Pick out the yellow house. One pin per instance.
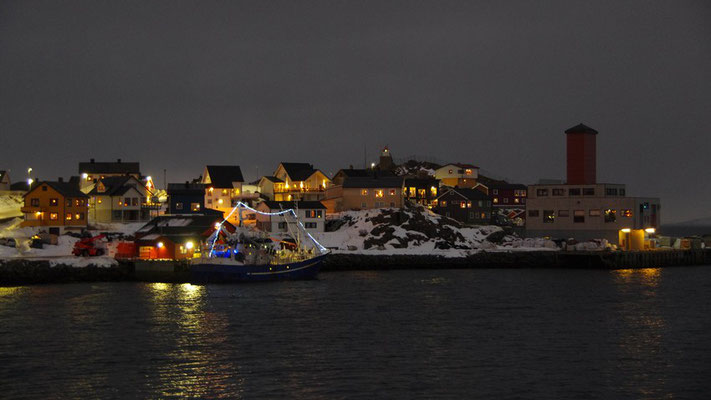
(223, 187)
(458, 175)
(299, 182)
(359, 193)
(56, 205)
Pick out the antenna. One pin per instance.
(365, 158)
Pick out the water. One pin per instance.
(396, 334)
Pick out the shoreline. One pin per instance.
(15, 272)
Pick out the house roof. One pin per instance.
(298, 171)
(115, 186)
(117, 167)
(421, 182)
(469, 194)
(66, 189)
(21, 185)
(460, 165)
(222, 176)
(182, 224)
(305, 205)
(380, 182)
(499, 184)
(363, 173)
(581, 128)
(271, 179)
(186, 188)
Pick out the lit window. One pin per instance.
(443, 203)
(548, 216)
(53, 202)
(98, 200)
(69, 217)
(496, 200)
(178, 206)
(195, 207)
(516, 200)
(450, 171)
(379, 193)
(34, 202)
(421, 193)
(595, 213)
(364, 192)
(433, 191)
(468, 171)
(53, 216)
(463, 204)
(392, 192)
(412, 192)
(610, 215)
(627, 213)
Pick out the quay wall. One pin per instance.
(21, 272)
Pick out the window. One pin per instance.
(463, 204)
(627, 212)
(282, 225)
(589, 192)
(496, 200)
(69, 202)
(99, 200)
(484, 216)
(392, 204)
(622, 192)
(421, 193)
(610, 215)
(209, 201)
(495, 191)
(506, 200)
(558, 192)
(564, 213)
(516, 200)
(69, 217)
(224, 192)
(310, 225)
(611, 191)
(379, 193)
(53, 202)
(542, 192)
(127, 201)
(319, 213)
(468, 171)
(79, 216)
(363, 205)
(481, 203)
(472, 215)
(412, 191)
(433, 191)
(532, 213)
(579, 216)
(379, 204)
(79, 202)
(469, 204)
(44, 188)
(574, 192)
(392, 192)
(53, 216)
(595, 213)
(34, 202)
(178, 206)
(450, 171)
(134, 201)
(194, 207)
(364, 192)
(443, 203)
(548, 216)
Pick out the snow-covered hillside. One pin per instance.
(415, 230)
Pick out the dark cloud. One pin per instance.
(179, 84)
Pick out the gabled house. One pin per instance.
(311, 213)
(186, 198)
(421, 190)
(469, 206)
(360, 193)
(176, 237)
(91, 171)
(4, 181)
(457, 175)
(223, 187)
(120, 199)
(508, 201)
(57, 206)
(299, 181)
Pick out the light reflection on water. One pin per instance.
(396, 334)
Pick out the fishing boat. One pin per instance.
(251, 256)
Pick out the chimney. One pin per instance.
(581, 155)
(60, 179)
(118, 160)
(92, 160)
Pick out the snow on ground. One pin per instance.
(10, 204)
(417, 231)
(128, 228)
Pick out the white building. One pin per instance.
(311, 213)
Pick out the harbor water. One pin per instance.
(484, 333)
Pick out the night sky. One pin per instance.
(178, 85)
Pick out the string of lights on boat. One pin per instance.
(291, 211)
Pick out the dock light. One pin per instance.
(189, 245)
(626, 230)
(29, 181)
(650, 230)
(159, 245)
(372, 165)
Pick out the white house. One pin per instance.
(458, 175)
(311, 213)
(120, 199)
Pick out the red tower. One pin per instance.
(581, 155)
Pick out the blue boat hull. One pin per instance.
(220, 273)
